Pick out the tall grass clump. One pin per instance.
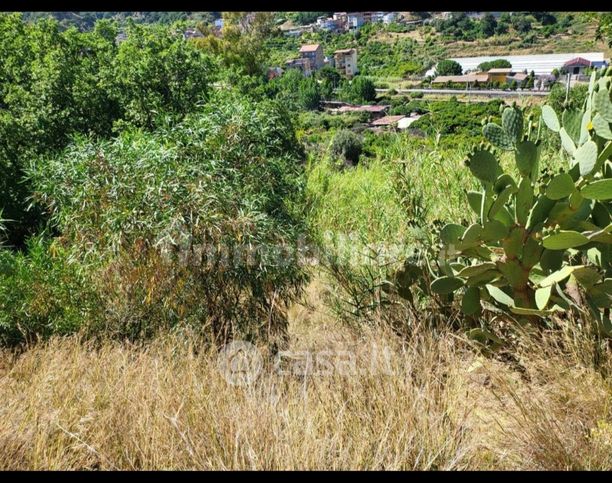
(358, 220)
(372, 217)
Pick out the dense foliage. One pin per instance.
(87, 20)
(193, 224)
(448, 67)
(152, 181)
(494, 64)
(347, 145)
(452, 119)
(55, 84)
(359, 90)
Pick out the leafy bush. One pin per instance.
(297, 91)
(42, 293)
(542, 243)
(348, 145)
(352, 213)
(359, 90)
(577, 96)
(495, 64)
(448, 67)
(188, 202)
(56, 83)
(408, 108)
(156, 72)
(452, 119)
(310, 96)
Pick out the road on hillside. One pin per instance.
(489, 93)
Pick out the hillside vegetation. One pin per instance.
(203, 268)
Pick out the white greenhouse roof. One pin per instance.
(540, 64)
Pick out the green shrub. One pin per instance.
(42, 293)
(353, 214)
(448, 67)
(577, 96)
(225, 179)
(494, 64)
(359, 90)
(408, 108)
(348, 145)
(456, 119)
(309, 93)
(56, 83)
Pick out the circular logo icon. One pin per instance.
(240, 363)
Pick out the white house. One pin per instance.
(354, 20)
(345, 61)
(389, 17)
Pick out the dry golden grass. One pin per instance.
(433, 404)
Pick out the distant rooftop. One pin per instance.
(344, 51)
(578, 61)
(309, 48)
(500, 71)
(387, 120)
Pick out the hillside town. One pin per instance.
(532, 72)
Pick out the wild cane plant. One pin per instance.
(542, 242)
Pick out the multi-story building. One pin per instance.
(341, 18)
(354, 20)
(345, 61)
(314, 53)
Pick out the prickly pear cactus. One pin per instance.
(542, 243)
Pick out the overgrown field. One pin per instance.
(427, 403)
(203, 268)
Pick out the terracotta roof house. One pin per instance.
(314, 53)
(518, 77)
(499, 74)
(502, 70)
(577, 65)
(309, 48)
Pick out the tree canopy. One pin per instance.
(449, 67)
